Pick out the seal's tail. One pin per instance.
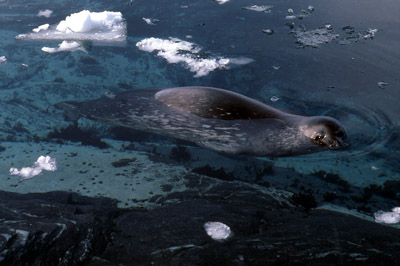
(71, 110)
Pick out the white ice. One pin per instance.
(65, 46)
(176, 51)
(45, 13)
(258, 8)
(392, 217)
(221, 1)
(217, 230)
(43, 163)
(106, 26)
(41, 27)
(3, 59)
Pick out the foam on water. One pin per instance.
(64, 47)
(175, 51)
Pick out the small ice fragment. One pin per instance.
(382, 84)
(290, 12)
(274, 99)
(387, 217)
(290, 17)
(41, 27)
(109, 95)
(43, 163)
(268, 31)
(217, 231)
(189, 36)
(223, 61)
(276, 67)
(396, 210)
(328, 27)
(25, 65)
(3, 59)
(150, 21)
(257, 8)
(184, 6)
(310, 9)
(65, 46)
(374, 168)
(45, 13)
(221, 1)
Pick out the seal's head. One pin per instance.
(324, 131)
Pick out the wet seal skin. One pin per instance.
(216, 119)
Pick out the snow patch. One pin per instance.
(218, 231)
(106, 26)
(43, 163)
(176, 51)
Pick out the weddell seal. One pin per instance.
(216, 119)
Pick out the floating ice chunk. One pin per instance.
(370, 33)
(176, 51)
(217, 231)
(65, 46)
(221, 1)
(150, 21)
(268, 31)
(290, 12)
(106, 26)
(257, 8)
(45, 13)
(43, 163)
(382, 84)
(274, 99)
(392, 217)
(3, 59)
(41, 27)
(314, 38)
(310, 9)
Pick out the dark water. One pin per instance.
(340, 59)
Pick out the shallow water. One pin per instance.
(341, 68)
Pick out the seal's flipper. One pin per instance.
(215, 103)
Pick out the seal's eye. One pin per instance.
(319, 136)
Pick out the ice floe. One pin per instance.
(3, 59)
(43, 163)
(106, 26)
(45, 13)
(392, 217)
(217, 230)
(263, 8)
(64, 47)
(175, 51)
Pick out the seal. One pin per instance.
(217, 119)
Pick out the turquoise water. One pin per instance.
(337, 58)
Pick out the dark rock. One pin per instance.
(307, 201)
